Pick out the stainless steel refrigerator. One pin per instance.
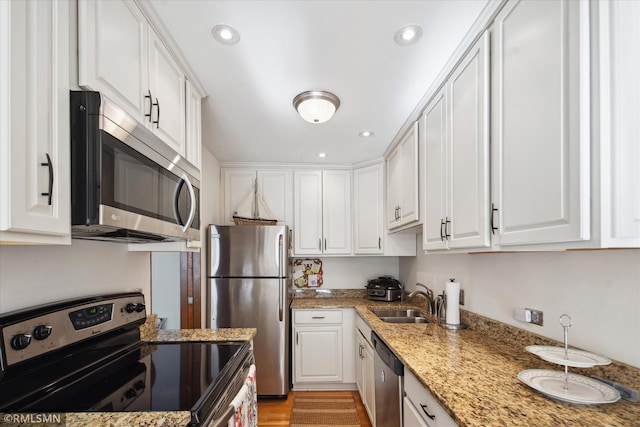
(248, 282)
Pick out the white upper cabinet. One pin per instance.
(619, 124)
(113, 57)
(369, 233)
(403, 203)
(275, 187)
(368, 209)
(167, 83)
(123, 57)
(434, 123)
(454, 127)
(540, 123)
(34, 122)
(193, 124)
(322, 212)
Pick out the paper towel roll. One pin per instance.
(452, 313)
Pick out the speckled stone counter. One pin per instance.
(150, 333)
(474, 375)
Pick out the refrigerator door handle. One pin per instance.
(280, 279)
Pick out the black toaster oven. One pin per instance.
(384, 288)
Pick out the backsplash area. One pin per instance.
(599, 289)
(354, 272)
(32, 275)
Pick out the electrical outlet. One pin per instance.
(536, 316)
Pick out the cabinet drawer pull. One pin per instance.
(317, 317)
(49, 164)
(424, 409)
(493, 212)
(157, 121)
(150, 104)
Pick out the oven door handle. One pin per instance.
(280, 279)
(223, 420)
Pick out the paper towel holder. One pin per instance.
(441, 306)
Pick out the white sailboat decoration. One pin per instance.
(253, 210)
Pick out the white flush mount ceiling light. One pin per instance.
(316, 106)
(365, 134)
(225, 34)
(408, 34)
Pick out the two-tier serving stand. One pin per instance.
(566, 386)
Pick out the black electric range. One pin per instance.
(86, 355)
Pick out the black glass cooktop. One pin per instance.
(149, 377)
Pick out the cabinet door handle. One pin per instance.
(493, 213)
(441, 232)
(148, 96)
(447, 228)
(49, 164)
(157, 121)
(296, 338)
(320, 244)
(424, 409)
(325, 244)
(379, 242)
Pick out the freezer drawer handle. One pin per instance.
(424, 409)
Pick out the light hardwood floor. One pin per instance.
(277, 412)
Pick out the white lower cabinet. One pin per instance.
(420, 408)
(323, 349)
(364, 368)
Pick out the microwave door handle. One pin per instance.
(192, 197)
(176, 202)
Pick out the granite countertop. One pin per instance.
(474, 375)
(149, 333)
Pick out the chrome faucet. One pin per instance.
(428, 295)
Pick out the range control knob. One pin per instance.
(140, 307)
(20, 341)
(130, 394)
(42, 332)
(131, 307)
(139, 385)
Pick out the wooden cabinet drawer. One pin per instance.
(301, 317)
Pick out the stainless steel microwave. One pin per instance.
(126, 184)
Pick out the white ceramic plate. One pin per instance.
(583, 390)
(577, 358)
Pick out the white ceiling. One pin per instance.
(287, 47)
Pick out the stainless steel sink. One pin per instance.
(397, 313)
(401, 316)
(405, 319)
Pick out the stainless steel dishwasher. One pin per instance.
(388, 384)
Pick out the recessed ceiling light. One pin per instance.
(225, 34)
(408, 34)
(366, 134)
(322, 155)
